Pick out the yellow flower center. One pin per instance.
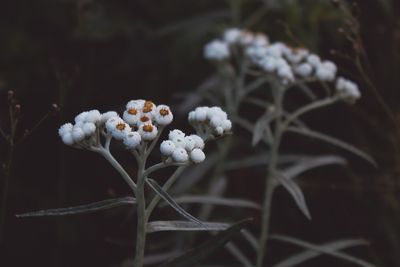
(148, 128)
(164, 112)
(148, 106)
(120, 126)
(132, 111)
(144, 119)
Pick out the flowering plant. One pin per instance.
(248, 62)
(139, 130)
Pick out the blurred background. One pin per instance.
(85, 54)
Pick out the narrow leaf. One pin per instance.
(301, 257)
(312, 163)
(159, 226)
(92, 207)
(195, 255)
(230, 202)
(293, 188)
(333, 141)
(238, 254)
(321, 249)
(167, 198)
(262, 128)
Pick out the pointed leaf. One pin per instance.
(321, 249)
(230, 202)
(311, 163)
(293, 188)
(333, 141)
(301, 257)
(167, 198)
(195, 255)
(92, 207)
(158, 226)
(262, 128)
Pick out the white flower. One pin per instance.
(268, 64)
(199, 142)
(81, 117)
(107, 115)
(175, 133)
(167, 147)
(197, 155)
(192, 116)
(148, 131)
(256, 53)
(67, 138)
(163, 115)
(314, 60)
(136, 104)
(226, 125)
(190, 143)
(304, 70)
(179, 141)
(216, 112)
(112, 122)
(117, 127)
(232, 35)
(201, 113)
(180, 155)
(93, 116)
(65, 128)
(149, 109)
(347, 89)
(326, 71)
(215, 121)
(275, 50)
(78, 134)
(285, 72)
(131, 116)
(88, 128)
(219, 130)
(216, 50)
(132, 140)
(297, 55)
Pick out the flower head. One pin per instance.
(216, 50)
(347, 90)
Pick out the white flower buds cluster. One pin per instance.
(347, 89)
(286, 63)
(181, 148)
(210, 121)
(83, 130)
(140, 122)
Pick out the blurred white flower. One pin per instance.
(347, 89)
(216, 50)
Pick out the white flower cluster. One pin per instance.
(286, 63)
(181, 148)
(347, 89)
(140, 122)
(84, 128)
(210, 121)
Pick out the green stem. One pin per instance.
(270, 183)
(141, 216)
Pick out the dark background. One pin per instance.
(84, 54)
